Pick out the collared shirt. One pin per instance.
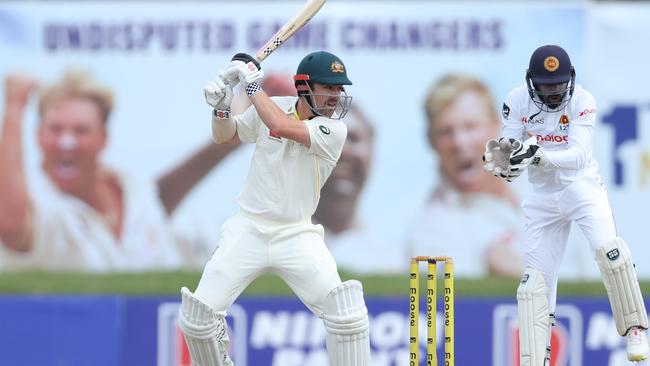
(364, 241)
(566, 137)
(464, 226)
(285, 177)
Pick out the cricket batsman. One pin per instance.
(298, 141)
(548, 128)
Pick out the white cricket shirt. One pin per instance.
(565, 135)
(70, 235)
(285, 177)
(440, 227)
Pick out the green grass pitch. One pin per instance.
(169, 283)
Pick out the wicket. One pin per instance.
(414, 308)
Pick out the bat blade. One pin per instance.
(290, 28)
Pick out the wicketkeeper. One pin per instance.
(548, 128)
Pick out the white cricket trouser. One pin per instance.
(250, 246)
(548, 218)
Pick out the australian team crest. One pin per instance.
(337, 67)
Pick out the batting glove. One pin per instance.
(244, 68)
(218, 94)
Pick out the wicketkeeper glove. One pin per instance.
(529, 154)
(496, 158)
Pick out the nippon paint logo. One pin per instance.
(297, 338)
(566, 345)
(292, 338)
(172, 350)
(288, 338)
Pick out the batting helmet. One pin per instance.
(324, 68)
(550, 65)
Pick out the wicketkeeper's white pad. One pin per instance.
(534, 321)
(206, 332)
(346, 321)
(622, 285)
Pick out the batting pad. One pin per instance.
(534, 320)
(346, 321)
(206, 333)
(615, 263)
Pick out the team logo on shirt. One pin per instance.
(324, 129)
(551, 63)
(564, 122)
(553, 138)
(505, 110)
(535, 121)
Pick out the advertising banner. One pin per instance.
(619, 86)
(273, 331)
(401, 198)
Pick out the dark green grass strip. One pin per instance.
(169, 283)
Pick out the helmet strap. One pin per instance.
(539, 99)
(305, 91)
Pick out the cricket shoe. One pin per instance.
(638, 348)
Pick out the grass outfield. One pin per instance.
(169, 283)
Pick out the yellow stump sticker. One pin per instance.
(414, 311)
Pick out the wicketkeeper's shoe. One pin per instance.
(638, 348)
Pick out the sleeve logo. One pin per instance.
(324, 129)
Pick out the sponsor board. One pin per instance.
(284, 333)
(566, 336)
(277, 331)
(172, 349)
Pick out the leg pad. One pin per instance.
(206, 332)
(534, 319)
(346, 321)
(615, 264)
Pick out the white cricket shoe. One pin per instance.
(638, 348)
